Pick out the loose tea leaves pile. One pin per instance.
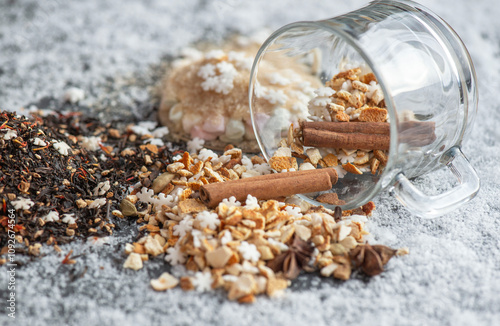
(61, 179)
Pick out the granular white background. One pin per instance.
(113, 49)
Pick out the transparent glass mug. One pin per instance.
(422, 67)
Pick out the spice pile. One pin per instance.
(249, 247)
(205, 94)
(65, 175)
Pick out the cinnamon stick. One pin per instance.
(269, 186)
(422, 127)
(332, 139)
(332, 173)
(415, 133)
(365, 135)
(381, 128)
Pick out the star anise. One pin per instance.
(291, 262)
(372, 259)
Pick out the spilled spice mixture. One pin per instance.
(248, 247)
(71, 177)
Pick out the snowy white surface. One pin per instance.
(451, 276)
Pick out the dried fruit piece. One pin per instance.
(303, 232)
(374, 164)
(186, 283)
(357, 99)
(164, 282)
(280, 163)
(402, 251)
(330, 160)
(153, 247)
(344, 95)
(351, 168)
(219, 257)
(191, 205)
(249, 298)
(330, 198)
(185, 173)
(360, 160)
(133, 261)
(243, 286)
(343, 271)
(373, 114)
(328, 270)
(265, 253)
(377, 96)
(368, 208)
(351, 74)
(360, 86)
(368, 78)
(174, 167)
(314, 155)
(381, 156)
(297, 148)
(275, 286)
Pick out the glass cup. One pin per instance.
(426, 75)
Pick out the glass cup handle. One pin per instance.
(433, 206)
